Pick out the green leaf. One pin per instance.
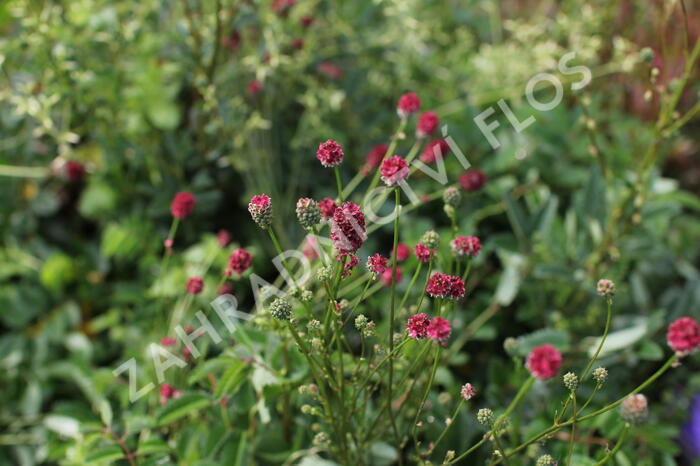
(232, 379)
(152, 446)
(510, 280)
(106, 454)
(181, 407)
(556, 338)
(57, 271)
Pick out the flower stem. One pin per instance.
(410, 286)
(452, 421)
(339, 183)
(620, 440)
(393, 310)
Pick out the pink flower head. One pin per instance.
(544, 361)
(427, 124)
(417, 326)
(348, 228)
(260, 208)
(423, 253)
(472, 180)
(240, 260)
(467, 392)
(182, 205)
(376, 155)
(683, 336)
(387, 276)
(394, 170)
(74, 171)
(403, 252)
(377, 264)
(167, 392)
(441, 285)
(327, 206)
(195, 285)
(351, 261)
(223, 237)
(168, 341)
(434, 149)
(225, 288)
(254, 87)
(233, 40)
(408, 104)
(306, 21)
(330, 70)
(439, 329)
(310, 248)
(330, 153)
(465, 246)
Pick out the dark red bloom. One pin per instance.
(377, 264)
(223, 237)
(168, 341)
(281, 7)
(297, 43)
(233, 40)
(182, 205)
(195, 285)
(260, 208)
(423, 253)
(417, 326)
(472, 180)
(683, 336)
(427, 124)
(307, 21)
(439, 329)
(376, 155)
(330, 153)
(225, 288)
(351, 261)
(441, 285)
(254, 87)
(403, 252)
(348, 228)
(387, 276)
(434, 149)
(327, 206)
(74, 170)
(394, 170)
(408, 104)
(330, 70)
(466, 246)
(167, 392)
(240, 260)
(544, 361)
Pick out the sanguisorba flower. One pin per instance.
(254, 87)
(348, 228)
(437, 148)
(182, 205)
(308, 213)
(544, 361)
(195, 285)
(167, 392)
(427, 124)
(223, 237)
(394, 170)
(423, 253)
(387, 276)
(351, 261)
(403, 252)
(408, 104)
(683, 336)
(417, 326)
(439, 329)
(606, 288)
(634, 409)
(260, 208)
(441, 285)
(377, 264)
(327, 206)
(240, 260)
(74, 171)
(465, 246)
(467, 392)
(375, 156)
(472, 180)
(330, 153)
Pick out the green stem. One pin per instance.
(573, 429)
(425, 394)
(393, 310)
(620, 440)
(452, 421)
(339, 183)
(23, 172)
(410, 286)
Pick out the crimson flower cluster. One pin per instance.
(195, 285)
(377, 264)
(423, 253)
(239, 261)
(408, 104)
(182, 205)
(441, 285)
(421, 326)
(330, 153)
(427, 124)
(472, 180)
(348, 228)
(434, 149)
(394, 170)
(260, 208)
(683, 336)
(544, 361)
(466, 246)
(375, 156)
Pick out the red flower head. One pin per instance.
(195, 285)
(233, 40)
(330, 70)
(327, 206)
(439, 329)
(182, 205)
(375, 156)
(387, 276)
(408, 104)
(472, 180)
(225, 288)
(441, 285)
(350, 263)
(240, 260)
(330, 153)
(223, 237)
(74, 171)
(403, 252)
(423, 253)
(427, 124)
(434, 149)
(467, 392)
(307, 21)
(394, 170)
(544, 361)
(348, 228)
(465, 246)
(254, 87)
(167, 392)
(168, 341)
(260, 208)
(377, 264)
(281, 7)
(417, 326)
(297, 43)
(310, 248)
(683, 336)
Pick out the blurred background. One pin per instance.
(110, 108)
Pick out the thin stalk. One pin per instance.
(410, 286)
(452, 421)
(393, 310)
(425, 394)
(390, 150)
(572, 438)
(339, 183)
(620, 440)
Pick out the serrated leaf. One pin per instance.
(181, 407)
